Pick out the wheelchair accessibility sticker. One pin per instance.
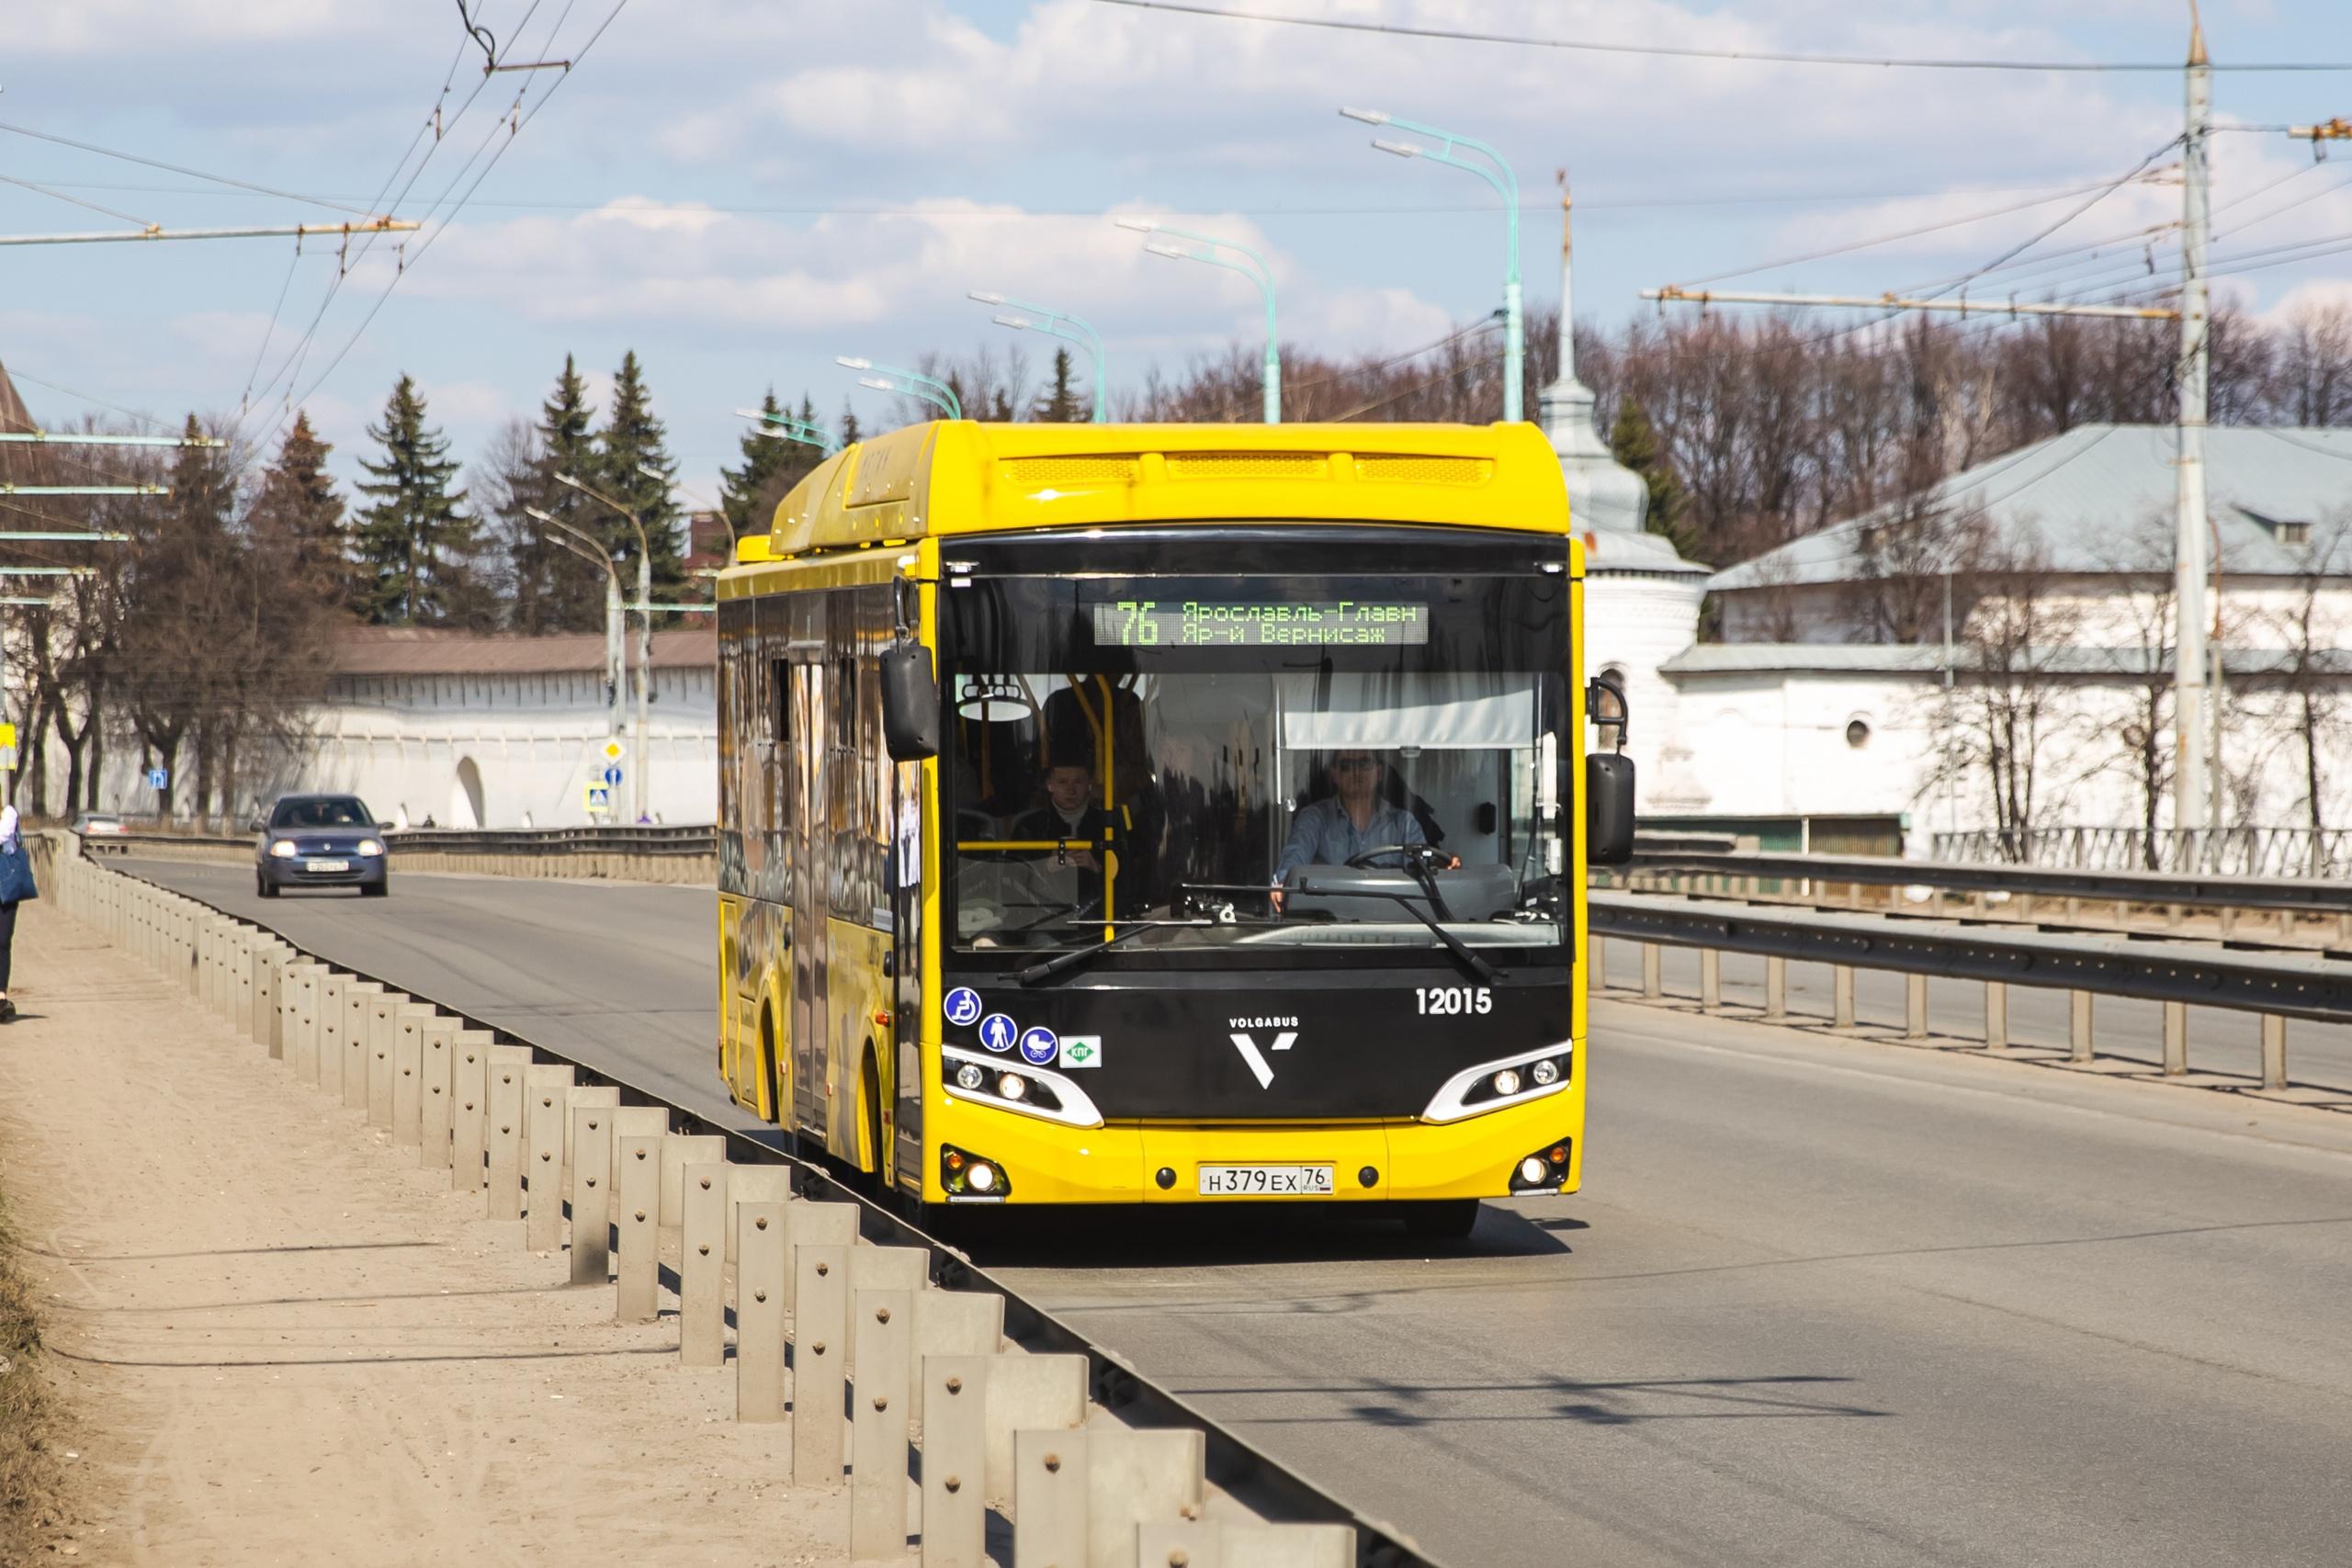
(962, 1006)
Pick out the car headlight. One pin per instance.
(371, 846)
(282, 848)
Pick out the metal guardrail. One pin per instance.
(2301, 894)
(2214, 851)
(1251, 1476)
(2275, 986)
(619, 839)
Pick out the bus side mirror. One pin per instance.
(1605, 705)
(909, 702)
(1608, 808)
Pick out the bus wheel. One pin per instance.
(1445, 1219)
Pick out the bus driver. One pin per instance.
(1354, 818)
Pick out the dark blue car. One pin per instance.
(319, 841)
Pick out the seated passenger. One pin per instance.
(1355, 818)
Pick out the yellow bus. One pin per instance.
(1166, 814)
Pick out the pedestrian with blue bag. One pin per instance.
(15, 887)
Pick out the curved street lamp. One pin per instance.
(1060, 324)
(1506, 185)
(787, 427)
(1252, 267)
(908, 383)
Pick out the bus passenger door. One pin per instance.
(807, 843)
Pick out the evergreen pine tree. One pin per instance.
(554, 589)
(849, 423)
(748, 495)
(1634, 441)
(296, 520)
(414, 542)
(631, 443)
(1060, 405)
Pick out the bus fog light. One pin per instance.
(1011, 1086)
(1531, 1170)
(1507, 1082)
(968, 1076)
(981, 1177)
(1545, 1071)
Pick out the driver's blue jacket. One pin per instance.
(1323, 834)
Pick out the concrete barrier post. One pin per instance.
(953, 1411)
(1029, 1393)
(882, 1392)
(1248, 1544)
(1653, 972)
(359, 999)
(602, 1095)
(904, 1268)
(1914, 1007)
(383, 1052)
(760, 1184)
(1842, 992)
(2078, 1026)
(636, 1194)
(2229, 923)
(505, 1097)
(1138, 1477)
(409, 1025)
(544, 1086)
(270, 1006)
(758, 1317)
(1776, 989)
(436, 1110)
(469, 1108)
(1711, 979)
(1996, 1015)
(680, 1150)
(302, 1022)
(2274, 1050)
(702, 1265)
(2176, 1039)
(1049, 1497)
(331, 1007)
(819, 1324)
(1188, 1543)
(591, 1195)
(638, 1122)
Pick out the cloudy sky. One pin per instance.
(741, 189)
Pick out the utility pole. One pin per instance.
(2196, 729)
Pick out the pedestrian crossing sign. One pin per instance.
(600, 800)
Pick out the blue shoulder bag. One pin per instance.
(15, 873)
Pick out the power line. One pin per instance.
(1675, 51)
(175, 168)
(78, 201)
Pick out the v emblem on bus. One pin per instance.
(1259, 1067)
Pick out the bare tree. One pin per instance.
(2313, 673)
(2311, 368)
(2017, 702)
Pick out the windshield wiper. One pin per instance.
(1051, 967)
(1454, 944)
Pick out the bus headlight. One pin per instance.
(1033, 1092)
(1013, 1086)
(1506, 1082)
(971, 1076)
(1545, 1073)
(1514, 1081)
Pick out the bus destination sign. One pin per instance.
(1273, 623)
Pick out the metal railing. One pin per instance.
(2274, 985)
(2214, 851)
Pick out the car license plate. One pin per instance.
(326, 865)
(1265, 1181)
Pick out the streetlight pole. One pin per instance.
(1506, 184)
(1252, 267)
(785, 427)
(1063, 326)
(644, 635)
(585, 545)
(908, 383)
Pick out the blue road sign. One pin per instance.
(159, 778)
(962, 1007)
(998, 1033)
(613, 776)
(1040, 1046)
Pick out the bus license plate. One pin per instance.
(326, 865)
(1265, 1181)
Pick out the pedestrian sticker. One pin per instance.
(962, 1007)
(1081, 1050)
(997, 1033)
(1040, 1046)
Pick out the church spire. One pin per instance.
(1602, 493)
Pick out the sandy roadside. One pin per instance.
(278, 1342)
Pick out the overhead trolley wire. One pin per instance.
(1683, 51)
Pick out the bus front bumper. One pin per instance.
(1123, 1162)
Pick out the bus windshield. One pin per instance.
(1254, 762)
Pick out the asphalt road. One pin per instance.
(1821, 1302)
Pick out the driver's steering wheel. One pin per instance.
(1428, 856)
